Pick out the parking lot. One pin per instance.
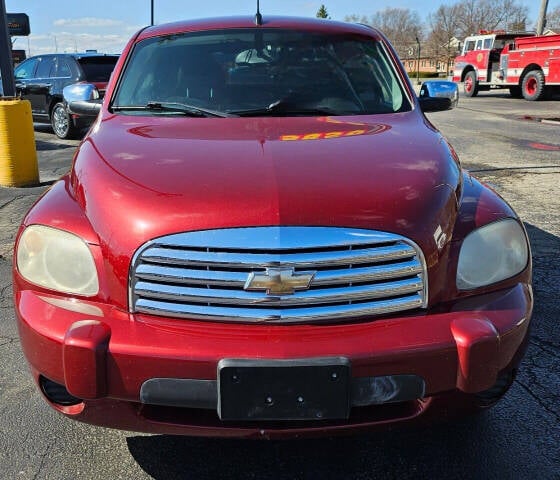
(511, 144)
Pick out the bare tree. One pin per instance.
(357, 19)
(553, 19)
(476, 15)
(401, 25)
(442, 39)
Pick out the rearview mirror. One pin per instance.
(436, 96)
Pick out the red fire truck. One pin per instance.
(528, 65)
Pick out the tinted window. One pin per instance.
(26, 69)
(46, 67)
(97, 69)
(487, 43)
(63, 68)
(237, 70)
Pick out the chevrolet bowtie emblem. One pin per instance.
(279, 281)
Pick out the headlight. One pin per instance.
(492, 253)
(57, 260)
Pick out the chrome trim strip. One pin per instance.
(184, 275)
(161, 273)
(263, 260)
(275, 315)
(276, 238)
(177, 293)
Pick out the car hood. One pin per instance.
(139, 177)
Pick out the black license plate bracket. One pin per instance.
(309, 389)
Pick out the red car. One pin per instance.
(262, 235)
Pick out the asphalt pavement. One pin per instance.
(504, 142)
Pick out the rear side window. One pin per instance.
(63, 68)
(97, 69)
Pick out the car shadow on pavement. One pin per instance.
(41, 145)
(175, 457)
(442, 451)
(492, 444)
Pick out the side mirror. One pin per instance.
(82, 99)
(80, 92)
(436, 96)
(86, 109)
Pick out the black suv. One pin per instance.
(40, 80)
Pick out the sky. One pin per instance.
(106, 25)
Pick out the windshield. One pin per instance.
(256, 72)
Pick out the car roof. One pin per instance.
(269, 22)
(77, 55)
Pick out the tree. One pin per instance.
(322, 12)
(442, 40)
(476, 15)
(401, 26)
(553, 20)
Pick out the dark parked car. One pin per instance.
(41, 79)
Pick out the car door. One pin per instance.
(23, 74)
(39, 88)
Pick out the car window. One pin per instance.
(97, 69)
(487, 43)
(26, 69)
(46, 67)
(63, 68)
(239, 70)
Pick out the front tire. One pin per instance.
(62, 123)
(533, 87)
(470, 85)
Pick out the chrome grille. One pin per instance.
(202, 275)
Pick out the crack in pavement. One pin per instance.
(538, 400)
(15, 199)
(43, 458)
(4, 341)
(540, 344)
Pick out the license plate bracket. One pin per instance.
(309, 389)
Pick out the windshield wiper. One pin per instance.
(174, 107)
(285, 108)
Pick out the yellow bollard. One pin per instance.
(18, 156)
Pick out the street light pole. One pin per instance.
(6, 63)
(152, 13)
(418, 61)
(542, 17)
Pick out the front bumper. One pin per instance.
(111, 359)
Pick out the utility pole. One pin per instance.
(6, 65)
(152, 13)
(542, 17)
(418, 62)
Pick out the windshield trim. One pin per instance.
(396, 70)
